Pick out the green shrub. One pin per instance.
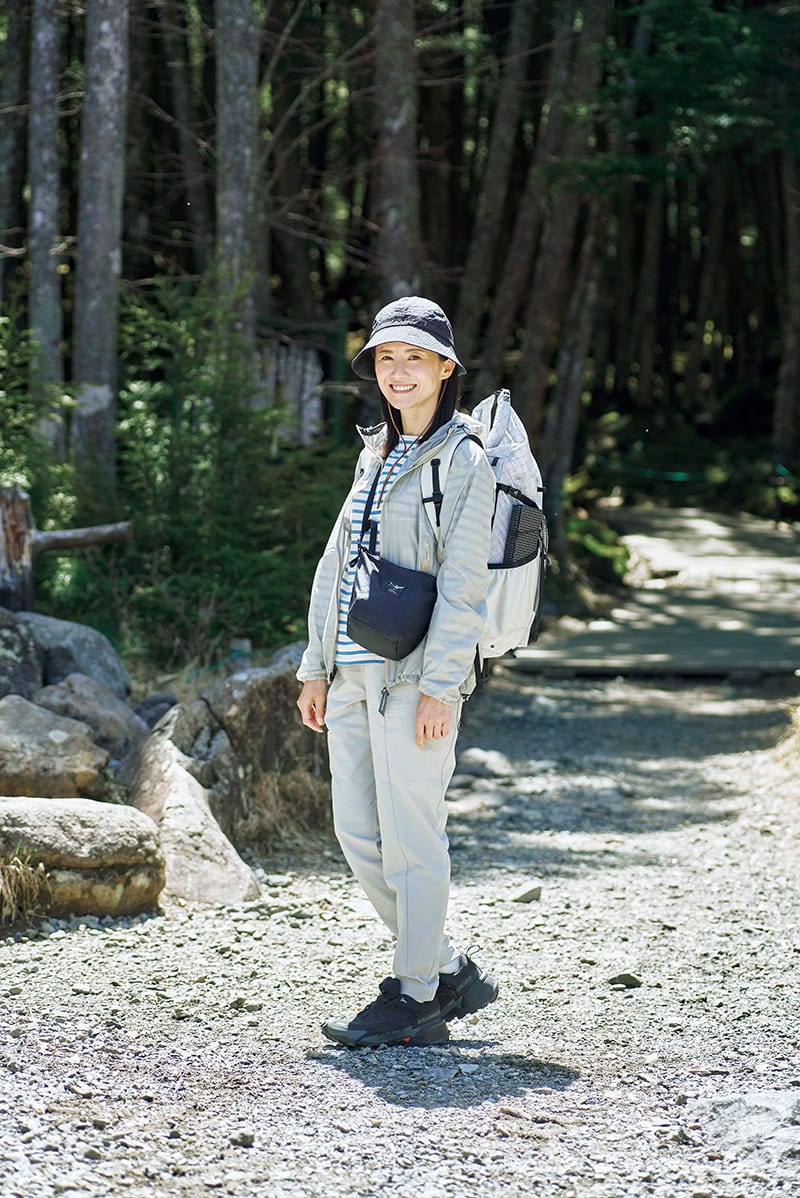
(228, 523)
(663, 458)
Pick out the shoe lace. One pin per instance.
(389, 993)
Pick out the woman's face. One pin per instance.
(411, 380)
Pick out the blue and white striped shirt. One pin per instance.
(348, 653)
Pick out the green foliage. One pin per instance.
(664, 458)
(19, 411)
(25, 458)
(228, 523)
(715, 77)
(596, 549)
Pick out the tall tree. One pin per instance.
(238, 48)
(101, 183)
(551, 278)
(563, 415)
(704, 303)
(476, 280)
(13, 91)
(395, 177)
(787, 396)
(44, 295)
(515, 274)
(172, 19)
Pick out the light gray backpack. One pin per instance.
(518, 555)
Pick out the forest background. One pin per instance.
(604, 196)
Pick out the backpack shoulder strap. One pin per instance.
(433, 479)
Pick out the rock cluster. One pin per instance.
(100, 858)
(120, 802)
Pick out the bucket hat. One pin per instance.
(414, 321)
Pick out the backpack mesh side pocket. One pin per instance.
(526, 537)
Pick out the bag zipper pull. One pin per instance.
(383, 702)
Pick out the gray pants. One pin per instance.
(389, 814)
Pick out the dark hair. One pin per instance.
(448, 403)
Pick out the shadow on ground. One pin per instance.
(516, 721)
(416, 1078)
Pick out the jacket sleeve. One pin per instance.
(460, 611)
(326, 579)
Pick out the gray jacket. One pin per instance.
(442, 665)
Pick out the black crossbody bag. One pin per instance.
(391, 606)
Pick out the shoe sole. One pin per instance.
(411, 1037)
(481, 991)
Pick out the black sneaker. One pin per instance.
(393, 1018)
(467, 990)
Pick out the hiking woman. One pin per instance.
(392, 724)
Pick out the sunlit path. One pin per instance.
(723, 598)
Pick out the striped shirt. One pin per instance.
(348, 653)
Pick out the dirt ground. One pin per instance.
(646, 1040)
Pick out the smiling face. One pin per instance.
(411, 381)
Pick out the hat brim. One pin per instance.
(363, 363)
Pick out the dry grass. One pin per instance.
(24, 889)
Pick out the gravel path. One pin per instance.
(181, 1054)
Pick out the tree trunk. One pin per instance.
(16, 552)
(21, 543)
(44, 296)
(515, 274)
(13, 86)
(564, 411)
(554, 259)
(101, 185)
(487, 224)
(291, 219)
(786, 434)
(645, 312)
(148, 154)
(198, 209)
(238, 50)
(624, 142)
(395, 179)
(704, 303)
(548, 293)
(437, 155)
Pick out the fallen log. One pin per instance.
(21, 542)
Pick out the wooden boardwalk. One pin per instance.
(723, 599)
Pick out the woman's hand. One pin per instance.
(312, 702)
(433, 719)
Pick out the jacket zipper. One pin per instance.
(385, 691)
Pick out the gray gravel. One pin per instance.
(626, 855)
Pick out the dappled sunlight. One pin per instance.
(722, 598)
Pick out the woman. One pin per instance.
(392, 725)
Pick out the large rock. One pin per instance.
(268, 774)
(240, 754)
(759, 1126)
(101, 859)
(114, 725)
(201, 863)
(70, 648)
(151, 708)
(45, 754)
(20, 658)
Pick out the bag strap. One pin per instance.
(366, 521)
(436, 471)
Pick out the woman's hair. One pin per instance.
(449, 400)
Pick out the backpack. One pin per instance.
(518, 554)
